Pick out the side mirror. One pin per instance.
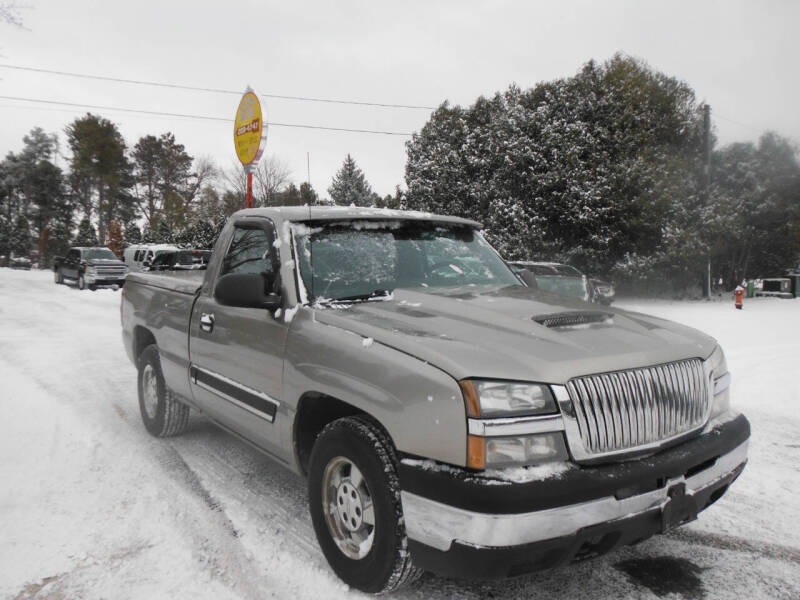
(529, 279)
(245, 290)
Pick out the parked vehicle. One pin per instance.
(141, 256)
(556, 278)
(180, 260)
(447, 416)
(20, 262)
(603, 292)
(90, 267)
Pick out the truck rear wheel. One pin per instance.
(163, 414)
(354, 498)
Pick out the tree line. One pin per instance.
(608, 170)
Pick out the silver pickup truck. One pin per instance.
(447, 416)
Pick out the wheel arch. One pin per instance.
(142, 338)
(315, 410)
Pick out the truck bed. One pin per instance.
(183, 282)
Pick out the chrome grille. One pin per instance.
(624, 410)
(110, 271)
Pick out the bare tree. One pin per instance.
(269, 179)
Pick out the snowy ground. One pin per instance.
(92, 507)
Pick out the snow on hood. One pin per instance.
(492, 334)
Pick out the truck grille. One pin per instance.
(110, 272)
(640, 407)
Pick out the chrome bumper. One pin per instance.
(439, 525)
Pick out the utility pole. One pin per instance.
(308, 169)
(707, 175)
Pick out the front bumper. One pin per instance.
(463, 527)
(102, 280)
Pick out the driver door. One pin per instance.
(237, 353)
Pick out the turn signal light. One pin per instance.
(476, 452)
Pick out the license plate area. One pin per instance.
(680, 508)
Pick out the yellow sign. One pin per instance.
(248, 129)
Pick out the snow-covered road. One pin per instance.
(91, 506)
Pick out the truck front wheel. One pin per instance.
(354, 498)
(163, 414)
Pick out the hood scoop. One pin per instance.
(574, 319)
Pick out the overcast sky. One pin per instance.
(740, 57)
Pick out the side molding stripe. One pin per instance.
(256, 402)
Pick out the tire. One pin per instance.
(162, 413)
(384, 563)
(81, 282)
(59, 278)
(92, 287)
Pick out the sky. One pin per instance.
(740, 57)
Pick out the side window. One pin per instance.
(137, 256)
(250, 251)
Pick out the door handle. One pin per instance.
(207, 322)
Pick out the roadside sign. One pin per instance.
(249, 136)
(248, 129)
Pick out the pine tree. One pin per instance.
(20, 238)
(86, 236)
(349, 186)
(163, 233)
(308, 196)
(132, 235)
(100, 171)
(290, 196)
(585, 169)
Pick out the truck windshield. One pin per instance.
(365, 260)
(99, 254)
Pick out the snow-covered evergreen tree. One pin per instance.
(583, 169)
(349, 186)
(87, 235)
(20, 238)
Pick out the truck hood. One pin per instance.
(516, 333)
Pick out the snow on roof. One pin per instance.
(327, 213)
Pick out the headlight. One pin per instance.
(721, 382)
(718, 363)
(525, 450)
(506, 398)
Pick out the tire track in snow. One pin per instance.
(737, 544)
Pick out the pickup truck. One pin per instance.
(446, 416)
(90, 267)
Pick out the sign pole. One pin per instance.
(249, 137)
(249, 200)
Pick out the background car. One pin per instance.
(564, 280)
(180, 260)
(604, 292)
(20, 262)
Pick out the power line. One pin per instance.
(719, 116)
(213, 90)
(197, 117)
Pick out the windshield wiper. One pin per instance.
(374, 294)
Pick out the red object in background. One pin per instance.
(249, 200)
(738, 297)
